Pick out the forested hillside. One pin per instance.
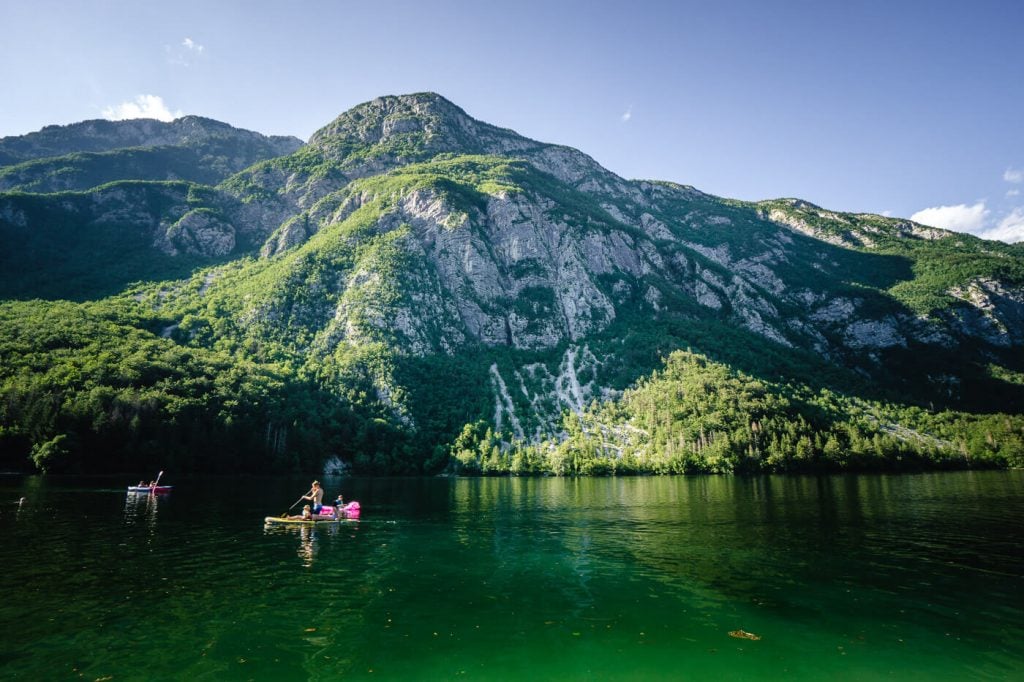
(414, 291)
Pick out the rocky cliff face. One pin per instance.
(579, 242)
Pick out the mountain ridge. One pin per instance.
(408, 243)
(100, 135)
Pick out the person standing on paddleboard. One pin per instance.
(316, 496)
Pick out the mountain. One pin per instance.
(417, 291)
(96, 205)
(101, 136)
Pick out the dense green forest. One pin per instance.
(105, 386)
(698, 416)
(96, 387)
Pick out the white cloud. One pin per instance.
(186, 53)
(1014, 175)
(143, 106)
(886, 214)
(1010, 228)
(962, 218)
(975, 219)
(628, 115)
(1012, 193)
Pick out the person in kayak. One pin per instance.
(316, 496)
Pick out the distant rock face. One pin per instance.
(873, 334)
(800, 225)
(994, 312)
(199, 233)
(834, 310)
(529, 400)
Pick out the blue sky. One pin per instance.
(903, 108)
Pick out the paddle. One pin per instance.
(158, 479)
(296, 502)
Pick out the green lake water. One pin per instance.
(914, 577)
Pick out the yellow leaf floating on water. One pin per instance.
(310, 629)
(743, 634)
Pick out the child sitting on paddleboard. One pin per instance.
(306, 514)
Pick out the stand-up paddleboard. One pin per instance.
(326, 515)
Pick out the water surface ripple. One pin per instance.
(843, 578)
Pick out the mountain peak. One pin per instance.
(426, 105)
(390, 131)
(412, 125)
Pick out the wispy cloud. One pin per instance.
(628, 114)
(976, 219)
(1010, 228)
(962, 218)
(187, 53)
(1005, 222)
(143, 106)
